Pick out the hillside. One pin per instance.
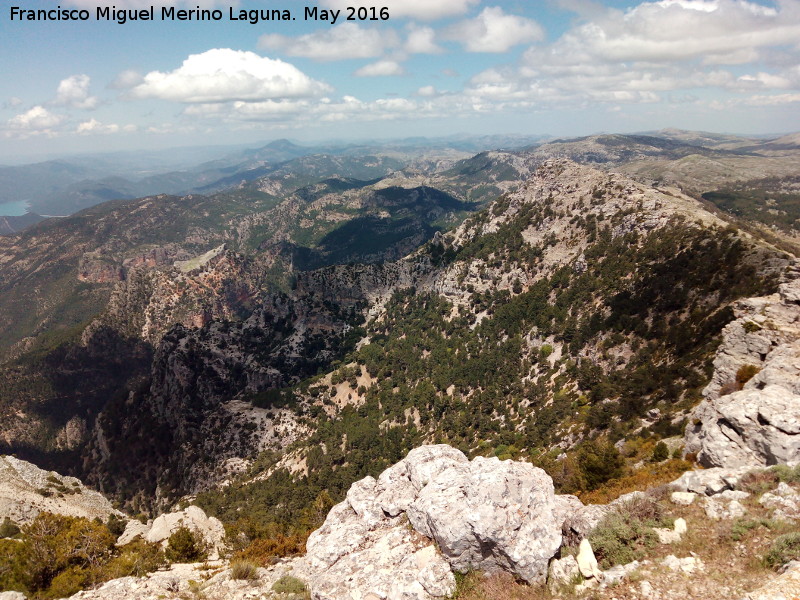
(259, 349)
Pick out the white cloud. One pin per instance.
(126, 80)
(494, 31)
(427, 91)
(424, 10)
(74, 92)
(12, 102)
(222, 74)
(382, 68)
(37, 120)
(774, 100)
(714, 31)
(348, 40)
(95, 127)
(421, 40)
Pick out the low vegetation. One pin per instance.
(56, 556)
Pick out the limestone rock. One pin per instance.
(582, 522)
(12, 596)
(587, 563)
(682, 498)
(783, 587)
(719, 509)
(674, 535)
(490, 515)
(485, 515)
(134, 529)
(193, 517)
(687, 565)
(709, 481)
(562, 573)
(26, 490)
(760, 424)
(784, 501)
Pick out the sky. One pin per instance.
(432, 68)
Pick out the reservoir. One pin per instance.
(16, 208)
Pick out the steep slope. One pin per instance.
(582, 304)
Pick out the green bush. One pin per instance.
(660, 452)
(625, 534)
(784, 548)
(289, 585)
(242, 569)
(8, 528)
(185, 545)
(599, 462)
(786, 473)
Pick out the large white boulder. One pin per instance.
(402, 535)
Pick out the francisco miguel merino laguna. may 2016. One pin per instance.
(170, 13)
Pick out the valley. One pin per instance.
(260, 340)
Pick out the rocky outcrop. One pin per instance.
(485, 514)
(758, 424)
(192, 517)
(26, 490)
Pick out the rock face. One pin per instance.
(26, 490)
(484, 514)
(193, 517)
(759, 424)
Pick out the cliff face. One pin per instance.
(750, 413)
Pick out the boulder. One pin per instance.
(709, 481)
(563, 572)
(682, 498)
(402, 535)
(490, 515)
(587, 563)
(193, 517)
(719, 509)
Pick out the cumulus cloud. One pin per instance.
(126, 80)
(714, 31)
(74, 92)
(222, 75)
(95, 127)
(494, 31)
(37, 119)
(424, 10)
(382, 68)
(421, 40)
(348, 40)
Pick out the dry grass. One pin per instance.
(649, 476)
(732, 551)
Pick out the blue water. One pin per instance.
(13, 209)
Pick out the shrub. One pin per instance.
(624, 535)
(786, 473)
(289, 585)
(758, 482)
(135, 559)
(116, 525)
(784, 548)
(8, 528)
(660, 452)
(185, 545)
(264, 551)
(745, 374)
(599, 462)
(242, 569)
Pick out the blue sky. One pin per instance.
(435, 67)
